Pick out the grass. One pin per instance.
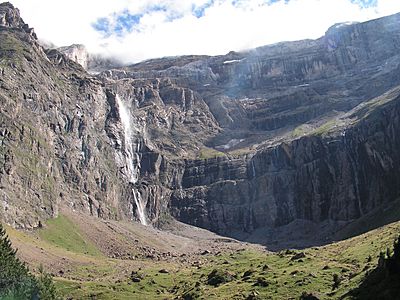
(298, 131)
(273, 276)
(153, 285)
(270, 275)
(147, 289)
(64, 234)
(325, 128)
(206, 153)
(241, 152)
(12, 50)
(288, 278)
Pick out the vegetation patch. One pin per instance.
(329, 272)
(325, 128)
(335, 271)
(16, 282)
(206, 153)
(63, 233)
(12, 50)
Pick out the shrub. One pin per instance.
(336, 281)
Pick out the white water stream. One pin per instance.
(253, 168)
(132, 158)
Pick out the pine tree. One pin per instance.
(336, 281)
(381, 260)
(46, 285)
(396, 250)
(15, 280)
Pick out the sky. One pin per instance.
(135, 30)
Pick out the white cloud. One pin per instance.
(225, 24)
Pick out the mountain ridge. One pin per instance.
(295, 148)
(229, 143)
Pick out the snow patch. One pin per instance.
(230, 144)
(344, 24)
(232, 61)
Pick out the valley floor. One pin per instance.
(95, 259)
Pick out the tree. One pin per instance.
(393, 261)
(396, 250)
(336, 281)
(16, 282)
(46, 285)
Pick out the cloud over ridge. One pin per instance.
(135, 30)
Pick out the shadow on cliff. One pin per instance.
(301, 234)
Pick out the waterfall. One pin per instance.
(132, 158)
(141, 208)
(253, 168)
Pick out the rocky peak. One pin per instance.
(338, 26)
(92, 63)
(77, 53)
(10, 17)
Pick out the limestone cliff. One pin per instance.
(304, 130)
(62, 137)
(93, 63)
(77, 53)
(339, 173)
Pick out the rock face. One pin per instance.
(62, 136)
(274, 105)
(90, 62)
(10, 17)
(77, 53)
(339, 175)
(52, 140)
(304, 130)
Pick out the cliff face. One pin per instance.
(52, 141)
(338, 174)
(93, 63)
(63, 141)
(264, 94)
(265, 101)
(76, 53)
(301, 130)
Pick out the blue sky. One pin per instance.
(126, 21)
(135, 30)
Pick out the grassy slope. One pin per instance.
(95, 275)
(74, 240)
(314, 273)
(206, 153)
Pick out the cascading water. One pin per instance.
(132, 158)
(253, 168)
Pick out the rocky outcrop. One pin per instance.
(92, 63)
(259, 98)
(10, 17)
(62, 137)
(77, 53)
